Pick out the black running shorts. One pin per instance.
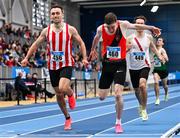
(55, 75)
(137, 74)
(112, 71)
(162, 73)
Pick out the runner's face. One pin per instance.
(140, 21)
(112, 27)
(56, 15)
(160, 42)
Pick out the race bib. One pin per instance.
(57, 56)
(138, 56)
(157, 62)
(113, 52)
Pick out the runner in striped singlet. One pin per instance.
(59, 36)
(139, 63)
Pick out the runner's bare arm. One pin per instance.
(128, 43)
(77, 38)
(154, 49)
(128, 25)
(35, 45)
(164, 54)
(93, 54)
(96, 38)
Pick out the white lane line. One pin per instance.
(26, 111)
(79, 112)
(78, 120)
(52, 116)
(46, 108)
(137, 118)
(136, 135)
(170, 132)
(43, 109)
(85, 119)
(73, 112)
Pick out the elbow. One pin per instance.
(82, 44)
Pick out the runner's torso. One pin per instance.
(158, 65)
(138, 57)
(113, 46)
(59, 48)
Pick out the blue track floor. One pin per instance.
(92, 118)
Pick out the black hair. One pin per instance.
(160, 37)
(57, 6)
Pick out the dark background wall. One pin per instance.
(167, 18)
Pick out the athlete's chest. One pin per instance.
(143, 43)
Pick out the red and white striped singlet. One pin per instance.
(59, 48)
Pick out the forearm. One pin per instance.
(164, 54)
(128, 44)
(153, 48)
(34, 46)
(144, 27)
(31, 50)
(166, 58)
(155, 51)
(83, 50)
(157, 54)
(95, 43)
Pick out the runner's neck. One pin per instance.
(140, 34)
(58, 27)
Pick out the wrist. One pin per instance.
(84, 57)
(26, 58)
(151, 28)
(93, 49)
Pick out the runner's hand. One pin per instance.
(24, 62)
(93, 55)
(85, 62)
(156, 31)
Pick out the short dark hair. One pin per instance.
(110, 18)
(56, 6)
(140, 17)
(160, 37)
